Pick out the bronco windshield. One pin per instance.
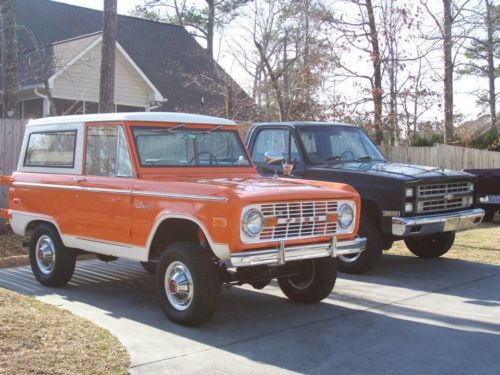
(181, 146)
(337, 144)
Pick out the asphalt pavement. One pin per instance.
(409, 316)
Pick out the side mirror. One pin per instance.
(273, 157)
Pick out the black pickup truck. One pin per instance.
(423, 206)
(488, 190)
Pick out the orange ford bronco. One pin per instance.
(180, 194)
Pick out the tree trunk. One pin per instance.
(107, 82)
(490, 24)
(210, 28)
(448, 73)
(377, 75)
(9, 59)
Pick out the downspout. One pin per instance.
(46, 104)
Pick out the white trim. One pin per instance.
(221, 251)
(19, 221)
(73, 60)
(180, 196)
(171, 117)
(126, 251)
(158, 97)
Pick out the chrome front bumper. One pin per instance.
(422, 225)
(281, 254)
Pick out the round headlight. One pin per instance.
(253, 222)
(345, 216)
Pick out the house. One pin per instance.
(158, 66)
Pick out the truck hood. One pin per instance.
(252, 188)
(407, 172)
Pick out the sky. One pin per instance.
(463, 102)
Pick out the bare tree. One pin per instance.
(107, 81)
(9, 59)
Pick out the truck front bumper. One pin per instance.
(450, 222)
(282, 254)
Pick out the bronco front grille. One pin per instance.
(444, 196)
(298, 219)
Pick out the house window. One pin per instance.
(107, 152)
(54, 149)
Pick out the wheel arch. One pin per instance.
(157, 238)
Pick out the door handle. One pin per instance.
(79, 179)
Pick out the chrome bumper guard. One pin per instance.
(450, 222)
(280, 255)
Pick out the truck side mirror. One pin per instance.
(273, 157)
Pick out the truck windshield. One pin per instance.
(181, 146)
(337, 144)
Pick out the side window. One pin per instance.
(276, 140)
(53, 149)
(107, 152)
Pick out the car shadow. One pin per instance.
(363, 320)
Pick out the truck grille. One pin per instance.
(444, 197)
(443, 189)
(299, 219)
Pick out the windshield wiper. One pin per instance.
(364, 158)
(335, 157)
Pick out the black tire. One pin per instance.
(205, 285)
(314, 285)
(369, 258)
(431, 246)
(489, 215)
(50, 270)
(149, 266)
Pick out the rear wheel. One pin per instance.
(366, 260)
(52, 263)
(431, 246)
(187, 283)
(314, 283)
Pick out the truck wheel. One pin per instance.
(431, 246)
(315, 282)
(149, 266)
(187, 283)
(488, 216)
(52, 263)
(366, 260)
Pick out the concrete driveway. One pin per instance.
(409, 316)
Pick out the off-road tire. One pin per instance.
(317, 281)
(65, 258)
(205, 283)
(149, 266)
(431, 246)
(369, 258)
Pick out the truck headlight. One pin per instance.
(253, 222)
(345, 216)
(408, 207)
(409, 192)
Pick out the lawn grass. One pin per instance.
(36, 338)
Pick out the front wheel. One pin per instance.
(314, 282)
(187, 283)
(367, 259)
(431, 246)
(52, 263)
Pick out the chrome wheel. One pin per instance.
(348, 258)
(304, 280)
(179, 285)
(45, 254)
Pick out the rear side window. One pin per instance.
(107, 152)
(53, 149)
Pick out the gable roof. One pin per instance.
(167, 54)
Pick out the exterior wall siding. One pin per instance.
(81, 81)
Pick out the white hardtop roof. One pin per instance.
(174, 117)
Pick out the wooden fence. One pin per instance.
(451, 157)
(11, 138)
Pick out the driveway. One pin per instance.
(409, 316)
